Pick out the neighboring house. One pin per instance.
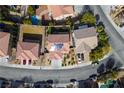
(30, 44)
(84, 41)
(56, 12)
(42, 12)
(27, 52)
(58, 45)
(4, 45)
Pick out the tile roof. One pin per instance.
(59, 10)
(84, 33)
(27, 50)
(4, 43)
(41, 9)
(55, 55)
(58, 38)
(55, 10)
(83, 47)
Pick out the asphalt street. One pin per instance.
(66, 74)
(116, 41)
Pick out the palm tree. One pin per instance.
(69, 21)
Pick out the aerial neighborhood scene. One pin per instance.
(61, 46)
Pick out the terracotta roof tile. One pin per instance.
(4, 45)
(60, 10)
(27, 50)
(41, 9)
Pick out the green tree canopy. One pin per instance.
(27, 21)
(31, 10)
(103, 36)
(69, 21)
(88, 18)
(4, 12)
(100, 28)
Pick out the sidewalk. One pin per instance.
(6, 64)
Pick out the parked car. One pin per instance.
(73, 80)
(49, 82)
(40, 84)
(93, 77)
(3, 82)
(17, 83)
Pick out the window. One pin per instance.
(29, 62)
(78, 55)
(82, 56)
(24, 62)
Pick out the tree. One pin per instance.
(30, 11)
(69, 21)
(103, 36)
(114, 74)
(106, 49)
(4, 12)
(88, 18)
(101, 24)
(96, 54)
(49, 28)
(27, 21)
(93, 56)
(100, 28)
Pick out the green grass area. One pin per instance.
(7, 22)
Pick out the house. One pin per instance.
(56, 12)
(30, 45)
(27, 53)
(33, 34)
(58, 45)
(84, 40)
(42, 12)
(4, 46)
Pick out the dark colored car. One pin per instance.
(3, 82)
(17, 83)
(40, 84)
